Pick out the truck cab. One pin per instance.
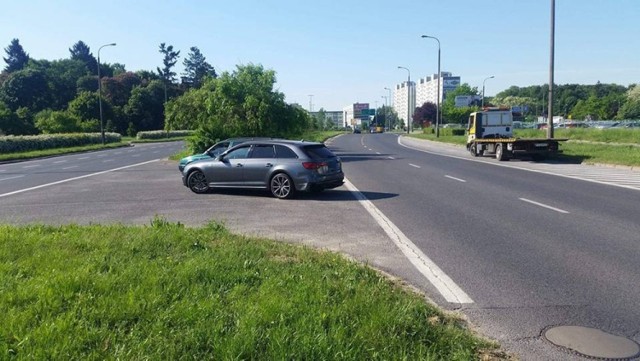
(490, 123)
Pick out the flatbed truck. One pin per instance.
(490, 131)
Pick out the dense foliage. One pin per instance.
(59, 96)
(575, 101)
(240, 103)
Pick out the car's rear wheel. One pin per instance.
(281, 186)
(197, 182)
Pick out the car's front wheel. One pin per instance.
(197, 182)
(281, 186)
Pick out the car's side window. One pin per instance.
(263, 151)
(218, 149)
(284, 152)
(238, 153)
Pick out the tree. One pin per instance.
(196, 68)
(81, 51)
(16, 58)
(631, 107)
(169, 61)
(449, 110)
(25, 88)
(242, 103)
(49, 121)
(425, 114)
(86, 108)
(145, 108)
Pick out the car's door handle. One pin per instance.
(269, 165)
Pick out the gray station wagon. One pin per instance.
(284, 167)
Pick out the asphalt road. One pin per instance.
(529, 248)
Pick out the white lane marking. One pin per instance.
(443, 283)
(543, 205)
(413, 165)
(75, 178)
(107, 160)
(18, 176)
(377, 152)
(117, 153)
(391, 157)
(83, 158)
(454, 178)
(73, 166)
(136, 155)
(59, 161)
(30, 166)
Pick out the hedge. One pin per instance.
(27, 143)
(163, 134)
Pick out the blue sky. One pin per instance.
(347, 51)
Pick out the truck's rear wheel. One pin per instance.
(500, 153)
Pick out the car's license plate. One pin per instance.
(541, 144)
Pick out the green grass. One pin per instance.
(167, 292)
(591, 146)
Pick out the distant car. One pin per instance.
(356, 131)
(214, 150)
(283, 167)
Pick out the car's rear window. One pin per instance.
(318, 152)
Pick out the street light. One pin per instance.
(408, 97)
(437, 91)
(390, 101)
(551, 62)
(491, 77)
(100, 91)
(386, 111)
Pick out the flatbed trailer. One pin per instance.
(491, 132)
(506, 148)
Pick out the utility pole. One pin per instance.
(310, 103)
(551, 61)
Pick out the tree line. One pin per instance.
(61, 96)
(571, 101)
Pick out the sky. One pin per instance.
(329, 54)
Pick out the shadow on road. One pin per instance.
(329, 195)
(358, 157)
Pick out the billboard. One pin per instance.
(467, 100)
(358, 108)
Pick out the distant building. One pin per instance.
(427, 88)
(420, 92)
(404, 95)
(336, 116)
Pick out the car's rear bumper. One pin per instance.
(320, 182)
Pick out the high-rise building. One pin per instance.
(404, 95)
(426, 88)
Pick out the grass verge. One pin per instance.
(580, 151)
(168, 292)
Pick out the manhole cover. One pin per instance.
(592, 342)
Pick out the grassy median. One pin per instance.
(170, 292)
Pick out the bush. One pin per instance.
(452, 131)
(27, 143)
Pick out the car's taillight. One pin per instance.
(313, 165)
(321, 167)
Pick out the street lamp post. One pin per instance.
(100, 92)
(437, 91)
(389, 123)
(408, 98)
(551, 62)
(491, 77)
(386, 111)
